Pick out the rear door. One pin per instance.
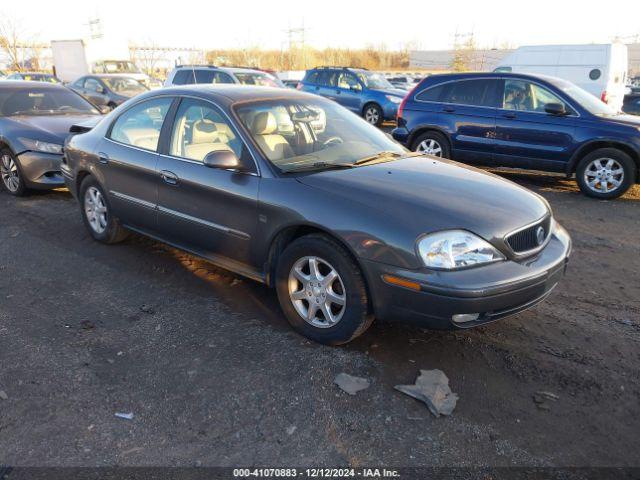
(468, 109)
(527, 136)
(128, 161)
(207, 210)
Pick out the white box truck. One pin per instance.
(598, 69)
(69, 59)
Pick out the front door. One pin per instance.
(526, 135)
(348, 91)
(128, 161)
(207, 210)
(95, 92)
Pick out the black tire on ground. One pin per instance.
(587, 171)
(21, 189)
(356, 317)
(113, 232)
(372, 113)
(434, 140)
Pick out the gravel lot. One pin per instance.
(214, 376)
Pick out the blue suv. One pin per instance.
(366, 93)
(523, 121)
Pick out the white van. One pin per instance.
(598, 69)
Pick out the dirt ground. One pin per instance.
(213, 375)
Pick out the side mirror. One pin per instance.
(224, 159)
(555, 109)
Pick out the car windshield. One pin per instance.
(585, 99)
(258, 78)
(124, 85)
(40, 77)
(314, 134)
(373, 80)
(119, 67)
(43, 101)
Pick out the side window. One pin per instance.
(140, 125)
(91, 84)
(212, 76)
(183, 77)
(327, 78)
(79, 83)
(347, 80)
(199, 129)
(477, 93)
(312, 77)
(528, 97)
(431, 94)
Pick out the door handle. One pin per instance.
(448, 109)
(169, 177)
(103, 158)
(509, 115)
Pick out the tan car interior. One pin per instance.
(194, 139)
(274, 145)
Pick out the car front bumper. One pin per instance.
(41, 170)
(492, 291)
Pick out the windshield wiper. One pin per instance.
(318, 166)
(379, 157)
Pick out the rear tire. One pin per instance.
(96, 213)
(11, 174)
(606, 173)
(336, 286)
(432, 143)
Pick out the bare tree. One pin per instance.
(11, 43)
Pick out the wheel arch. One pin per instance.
(592, 146)
(428, 128)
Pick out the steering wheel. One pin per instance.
(332, 140)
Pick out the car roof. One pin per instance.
(464, 75)
(21, 84)
(230, 93)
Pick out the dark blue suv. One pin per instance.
(366, 93)
(523, 121)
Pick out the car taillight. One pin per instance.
(604, 97)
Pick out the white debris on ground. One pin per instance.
(432, 388)
(126, 416)
(351, 384)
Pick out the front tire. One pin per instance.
(606, 173)
(432, 143)
(373, 114)
(11, 175)
(96, 213)
(322, 291)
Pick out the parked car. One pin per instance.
(126, 68)
(366, 93)
(599, 69)
(632, 104)
(345, 223)
(404, 82)
(34, 77)
(190, 74)
(523, 121)
(108, 90)
(35, 118)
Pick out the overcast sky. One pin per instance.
(426, 24)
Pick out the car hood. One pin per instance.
(53, 128)
(423, 194)
(392, 91)
(622, 119)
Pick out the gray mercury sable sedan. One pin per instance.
(297, 192)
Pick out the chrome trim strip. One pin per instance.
(205, 223)
(137, 201)
(533, 251)
(187, 160)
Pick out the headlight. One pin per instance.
(394, 99)
(39, 146)
(456, 249)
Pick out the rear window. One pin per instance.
(183, 77)
(471, 92)
(212, 76)
(312, 77)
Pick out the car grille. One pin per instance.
(527, 239)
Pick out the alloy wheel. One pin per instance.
(430, 147)
(10, 174)
(604, 175)
(95, 209)
(317, 292)
(372, 115)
